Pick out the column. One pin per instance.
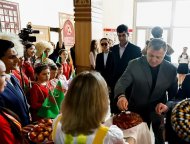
(88, 26)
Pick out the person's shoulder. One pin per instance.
(114, 134)
(135, 49)
(169, 64)
(99, 54)
(134, 63)
(35, 86)
(14, 78)
(57, 119)
(110, 53)
(116, 46)
(133, 45)
(170, 67)
(90, 54)
(50, 61)
(137, 60)
(57, 127)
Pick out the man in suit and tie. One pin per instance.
(13, 96)
(123, 53)
(151, 77)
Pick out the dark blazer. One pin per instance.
(184, 90)
(185, 87)
(105, 71)
(138, 74)
(14, 99)
(131, 52)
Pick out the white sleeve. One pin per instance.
(114, 135)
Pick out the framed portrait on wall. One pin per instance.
(9, 17)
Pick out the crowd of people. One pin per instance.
(145, 82)
(122, 77)
(27, 77)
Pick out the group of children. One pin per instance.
(38, 74)
(47, 76)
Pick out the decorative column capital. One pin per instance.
(82, 3)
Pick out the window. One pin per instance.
(181, 13)
(180, 39)
(154, 13)
(141, 39)
(169, 14)
(9, 17)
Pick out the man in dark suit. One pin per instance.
(13, 96)
(151, 77)
(104, 62)
(72, 51)
(123, 53)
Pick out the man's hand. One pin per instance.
(122, 103)
(161, 108)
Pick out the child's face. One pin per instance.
(64, 55)
(47, 51)
(53, 74)
(44, 75)
(31, 51)
(60, 71)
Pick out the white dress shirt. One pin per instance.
(105, 58)
(122, 49)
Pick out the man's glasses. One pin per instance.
(104, 44)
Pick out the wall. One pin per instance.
(117, 12)
(45, 12)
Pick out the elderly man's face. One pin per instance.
(10, 59)
(2, 77)
(155, 57)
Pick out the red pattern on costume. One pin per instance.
(52, 84)
(16, 73)
(28, 70)
(38, 93)
(67, 69)
(6, 135)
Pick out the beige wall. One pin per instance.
(46, 13)
(117, 12)
(43, 12)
